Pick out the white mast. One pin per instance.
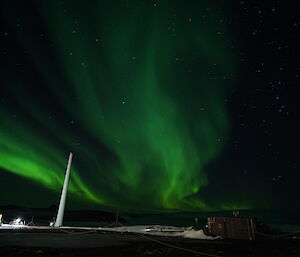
(62, 203)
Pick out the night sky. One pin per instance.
(166, 105)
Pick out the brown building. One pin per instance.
(232, 227)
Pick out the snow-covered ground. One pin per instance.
(155, 230)
(158, 230)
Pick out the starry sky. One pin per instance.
(166, 105)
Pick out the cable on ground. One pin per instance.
(78, 233)
(284, 235)
(180, 248)
(154, 240)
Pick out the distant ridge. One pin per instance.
(12, 211)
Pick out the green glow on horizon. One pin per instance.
(124, 84)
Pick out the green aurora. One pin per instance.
(136, 90)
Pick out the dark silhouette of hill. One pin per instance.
(46, 214)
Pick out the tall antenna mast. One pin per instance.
(62, 203)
